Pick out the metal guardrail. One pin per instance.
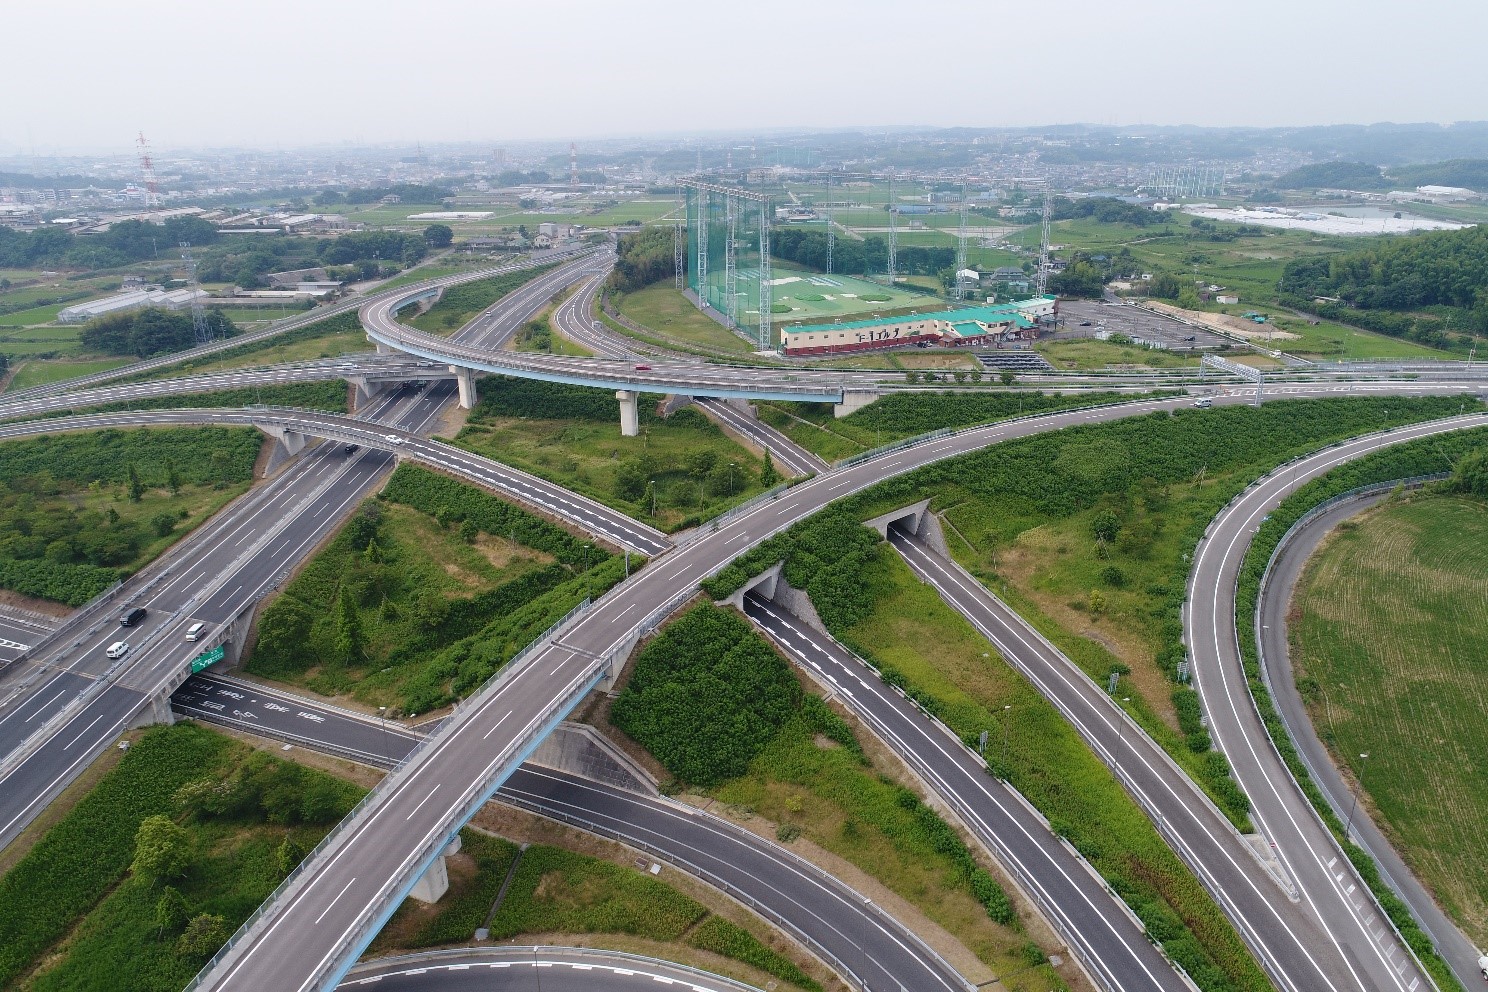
(1319, 510)
(376, 795)
(518, 952)
(709, 526)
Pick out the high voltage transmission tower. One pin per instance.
(199, 326)
(1043, 265)
(147, 171)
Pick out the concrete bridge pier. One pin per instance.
(630, 414)
(434, 883)
(292, 442)
(854, 399)
(366, 389)
(382, 349)
(156, 711)
(466, 379)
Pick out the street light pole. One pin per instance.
(382, 721)
(1007, 716)
(1363, 767)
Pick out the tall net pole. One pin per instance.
(766, 329)
(704, 201)
(962, 284)
(1043, 268)
(731, 265)
(679, 242)
(893, 233)
(831, 235)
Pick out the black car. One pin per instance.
(1084, 323)
(131, 616)
(348, 448)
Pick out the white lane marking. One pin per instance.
(84, 731)
(496, 724)
(422, 801)
(333, 901)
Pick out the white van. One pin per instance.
(1203, 402)
(195, 631)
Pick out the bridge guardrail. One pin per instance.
(376, 794)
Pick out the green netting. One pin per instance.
(712, 217)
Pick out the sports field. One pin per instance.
(1391, 654)
(814, 297)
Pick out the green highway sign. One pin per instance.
(207, 658)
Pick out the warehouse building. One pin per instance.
(178, 299)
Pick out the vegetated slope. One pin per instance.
(1333, 175)
(1391, 654)
(458, 304)
(714, 703)
(1389, 279)
(237, 821)
(679, 471)
(79, 511)
(424, 594)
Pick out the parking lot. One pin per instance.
(1136, 323)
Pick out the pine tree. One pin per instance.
(768, 476)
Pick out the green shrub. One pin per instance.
(719, 936)
(706, 696)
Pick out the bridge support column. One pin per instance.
(434, 883)
(854, 399)
(382, 349)
(466, 379)
(365, 389)
(630, 416)
(157, 712)
(292, 442)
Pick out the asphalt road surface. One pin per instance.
(1097, 927)
(801, 898)
(531, 969)
(1460, 952)
(337, 903)
(1359, 940)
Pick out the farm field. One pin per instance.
(36, 372)
(1091, 354)
(1391, 659)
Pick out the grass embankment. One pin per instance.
(1086, 532)
(73, 913)
(668, 313)
(871, 601)
(555, 891)
(423, 594)
(571, 436)
(330, 396)
(1406, 460)
(80, 511)
(460, 304)
(41, 373)
(901, 415)
(713, 702)
(1099, 355)
(1392, 657)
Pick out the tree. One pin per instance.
(289, 855)
(171, 911)
(1008, 377)
(1105, 525)
(172, 477)
(768, 476)
(1470, 474)
(163, 523)
(349, 642)
(203, 936)
(136, 487)
(162, 848)
(439, 235)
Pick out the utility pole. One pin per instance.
(1363, 767)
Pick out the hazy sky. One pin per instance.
(280, 73)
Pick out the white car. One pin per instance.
(393, 439)
(118, 649)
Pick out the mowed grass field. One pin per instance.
(1389, 632)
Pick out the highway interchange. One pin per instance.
(347, 890)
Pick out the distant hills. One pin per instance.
(1469, 172)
